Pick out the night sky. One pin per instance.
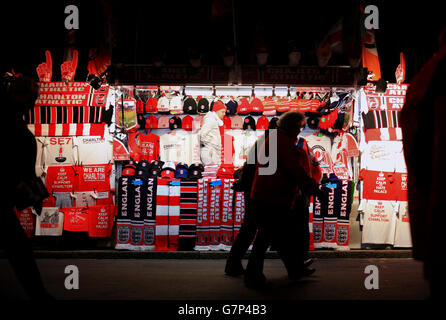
(145, 28)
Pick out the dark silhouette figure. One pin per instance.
(18, 96)
(424, 142)
(275, 206)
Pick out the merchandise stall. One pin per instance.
(383, 176)
(125, 162)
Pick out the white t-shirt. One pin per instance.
(50, 222)
(383, 156)
(403, 237)
(180, 146)
(58, 151)
(379, 221)
(94, 149)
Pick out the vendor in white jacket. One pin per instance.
(210, 134)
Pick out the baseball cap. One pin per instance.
(231, 106)
(197, 166)
(152, 105)
(163, 104)
(163, 122)
(176, 105)
(181, 165)
(203, 105)
(190, 106)
(181, 173)
(128, 170)
(273, 123)
(249, 123)
(195, 174)
(244, 106)
(187, 123)
(262, 123)
(227, 123)
(175, 123)
(256, 106)
(168, 173)
(237, 122)
(156, 164)
(143, 165)
(151, 122)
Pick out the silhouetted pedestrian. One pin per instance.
(21, 187)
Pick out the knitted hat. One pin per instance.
(175, 123)
(163, 104)
(188, 123)
(249, 123)
(203, 105)
(190, 106)
(231, 106)
(256, 106)
(244, 106)
(176, 105)
(163, 122)
(152, 105)
(237, 122)
(273, 123)
(262, 123)
(151, 122)
(218, 105)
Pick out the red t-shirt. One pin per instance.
(93, 177)
(100, 220)
(75, 218)
(378, 185)
(144, 146)
(60, 179)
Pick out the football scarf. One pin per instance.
(150, 217)
(125, 211)
(188, 215)
(343, 203)
(214, 214)
(202, 239)
(227, 221)
(239, 212)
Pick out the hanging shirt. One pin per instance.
(58, 151)
(144, 146)
(379, 221)
(180, 146)
(94, 149)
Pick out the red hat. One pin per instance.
(152, 105)
(188, 122)
(237, 122)
(262, 123)
(218, 105)
(256, 106)
(243, 106)
(151, 122)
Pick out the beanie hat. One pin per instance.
(283, 105)
(188, 123)
(273, 123)
(203, 105)
(313, 120)
(218, 105)
(190, 106)
(231, 106)
(243, 106)
(151, 122)
(152, 105)
(262, 123)
(237, 122)
(256, 106)
(269, 107)
(163, 122)
(249, 123)
(175, 123)
(163, 104)
(176, 105)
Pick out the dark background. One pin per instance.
(144, 29)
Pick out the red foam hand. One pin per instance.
(68, 68)
(45, 69)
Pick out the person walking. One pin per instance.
(272, 197)
(22, 188)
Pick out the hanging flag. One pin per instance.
(370, 59)
(400, 73)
